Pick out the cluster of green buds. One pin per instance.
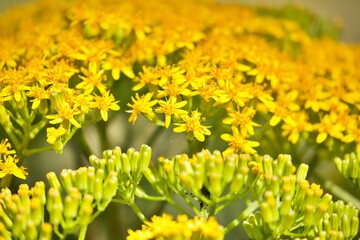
(208, 178)
(128, 166)
(349, 167)
(340, 222)
(22, 214)
(72, 203)
(78, 197)
(290, 206)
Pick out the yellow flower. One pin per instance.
(238, 143)
(141, 104)
(118, 64)
(328, 126)
(64, 113)
(193, 124)
(149, 76)
(5, 147)
(105, 102)
(52, 134)
(164, 227)
(93, 78)
(242, 119)
(38, 94)
(171, 107)
(8, 167)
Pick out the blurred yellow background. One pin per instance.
(347, 11)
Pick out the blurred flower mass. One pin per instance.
(237, 83)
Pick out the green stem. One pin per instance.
(138, 212)
(5, 181)
(212, 210)
(250, 209)
(82, 234)
(85, 147)
(33, 151)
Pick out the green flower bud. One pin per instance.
(186, 180)
(252, 226)
(354, 169)
(334, 221)
(309, 215)
(198, 178)
(268, 208)
(320, 211)
(134, 163)
(66, 180)
(90, 179)
(302, 172)
(86, 210)
(267, 164)
(229, 168)
(106, 154)
(125, 163)
(215, 184)
(5, 219)
(346, 226)
(31, 230)
(145, 156)
(53, 180)
(354, 225)
(46, 231)
(81, 178)
(117, 158)
(93, 160)
(110, 164)
(253, 176)
(58, 146)
(4, 232)
(19, 225)
(237, 183)
(285, 207)
(110, 186)
(98, 189)
(71, 204)
(54, 206)
(39, 192)
(288, 219)
(36, 213)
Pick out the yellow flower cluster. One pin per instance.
(183, 228)
(8, 163)
(227, 67)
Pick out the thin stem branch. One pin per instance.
(82, 234)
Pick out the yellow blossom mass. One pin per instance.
(236, 67)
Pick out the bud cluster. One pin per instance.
(349, 167)
(206, 177)
(128, 168)
(340, 222)
(71, 202)
(291, 206)
(22, 214)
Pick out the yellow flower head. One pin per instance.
(5, 147)
(141, 104)
(182, 228)
(193, 124)
(8, 167)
